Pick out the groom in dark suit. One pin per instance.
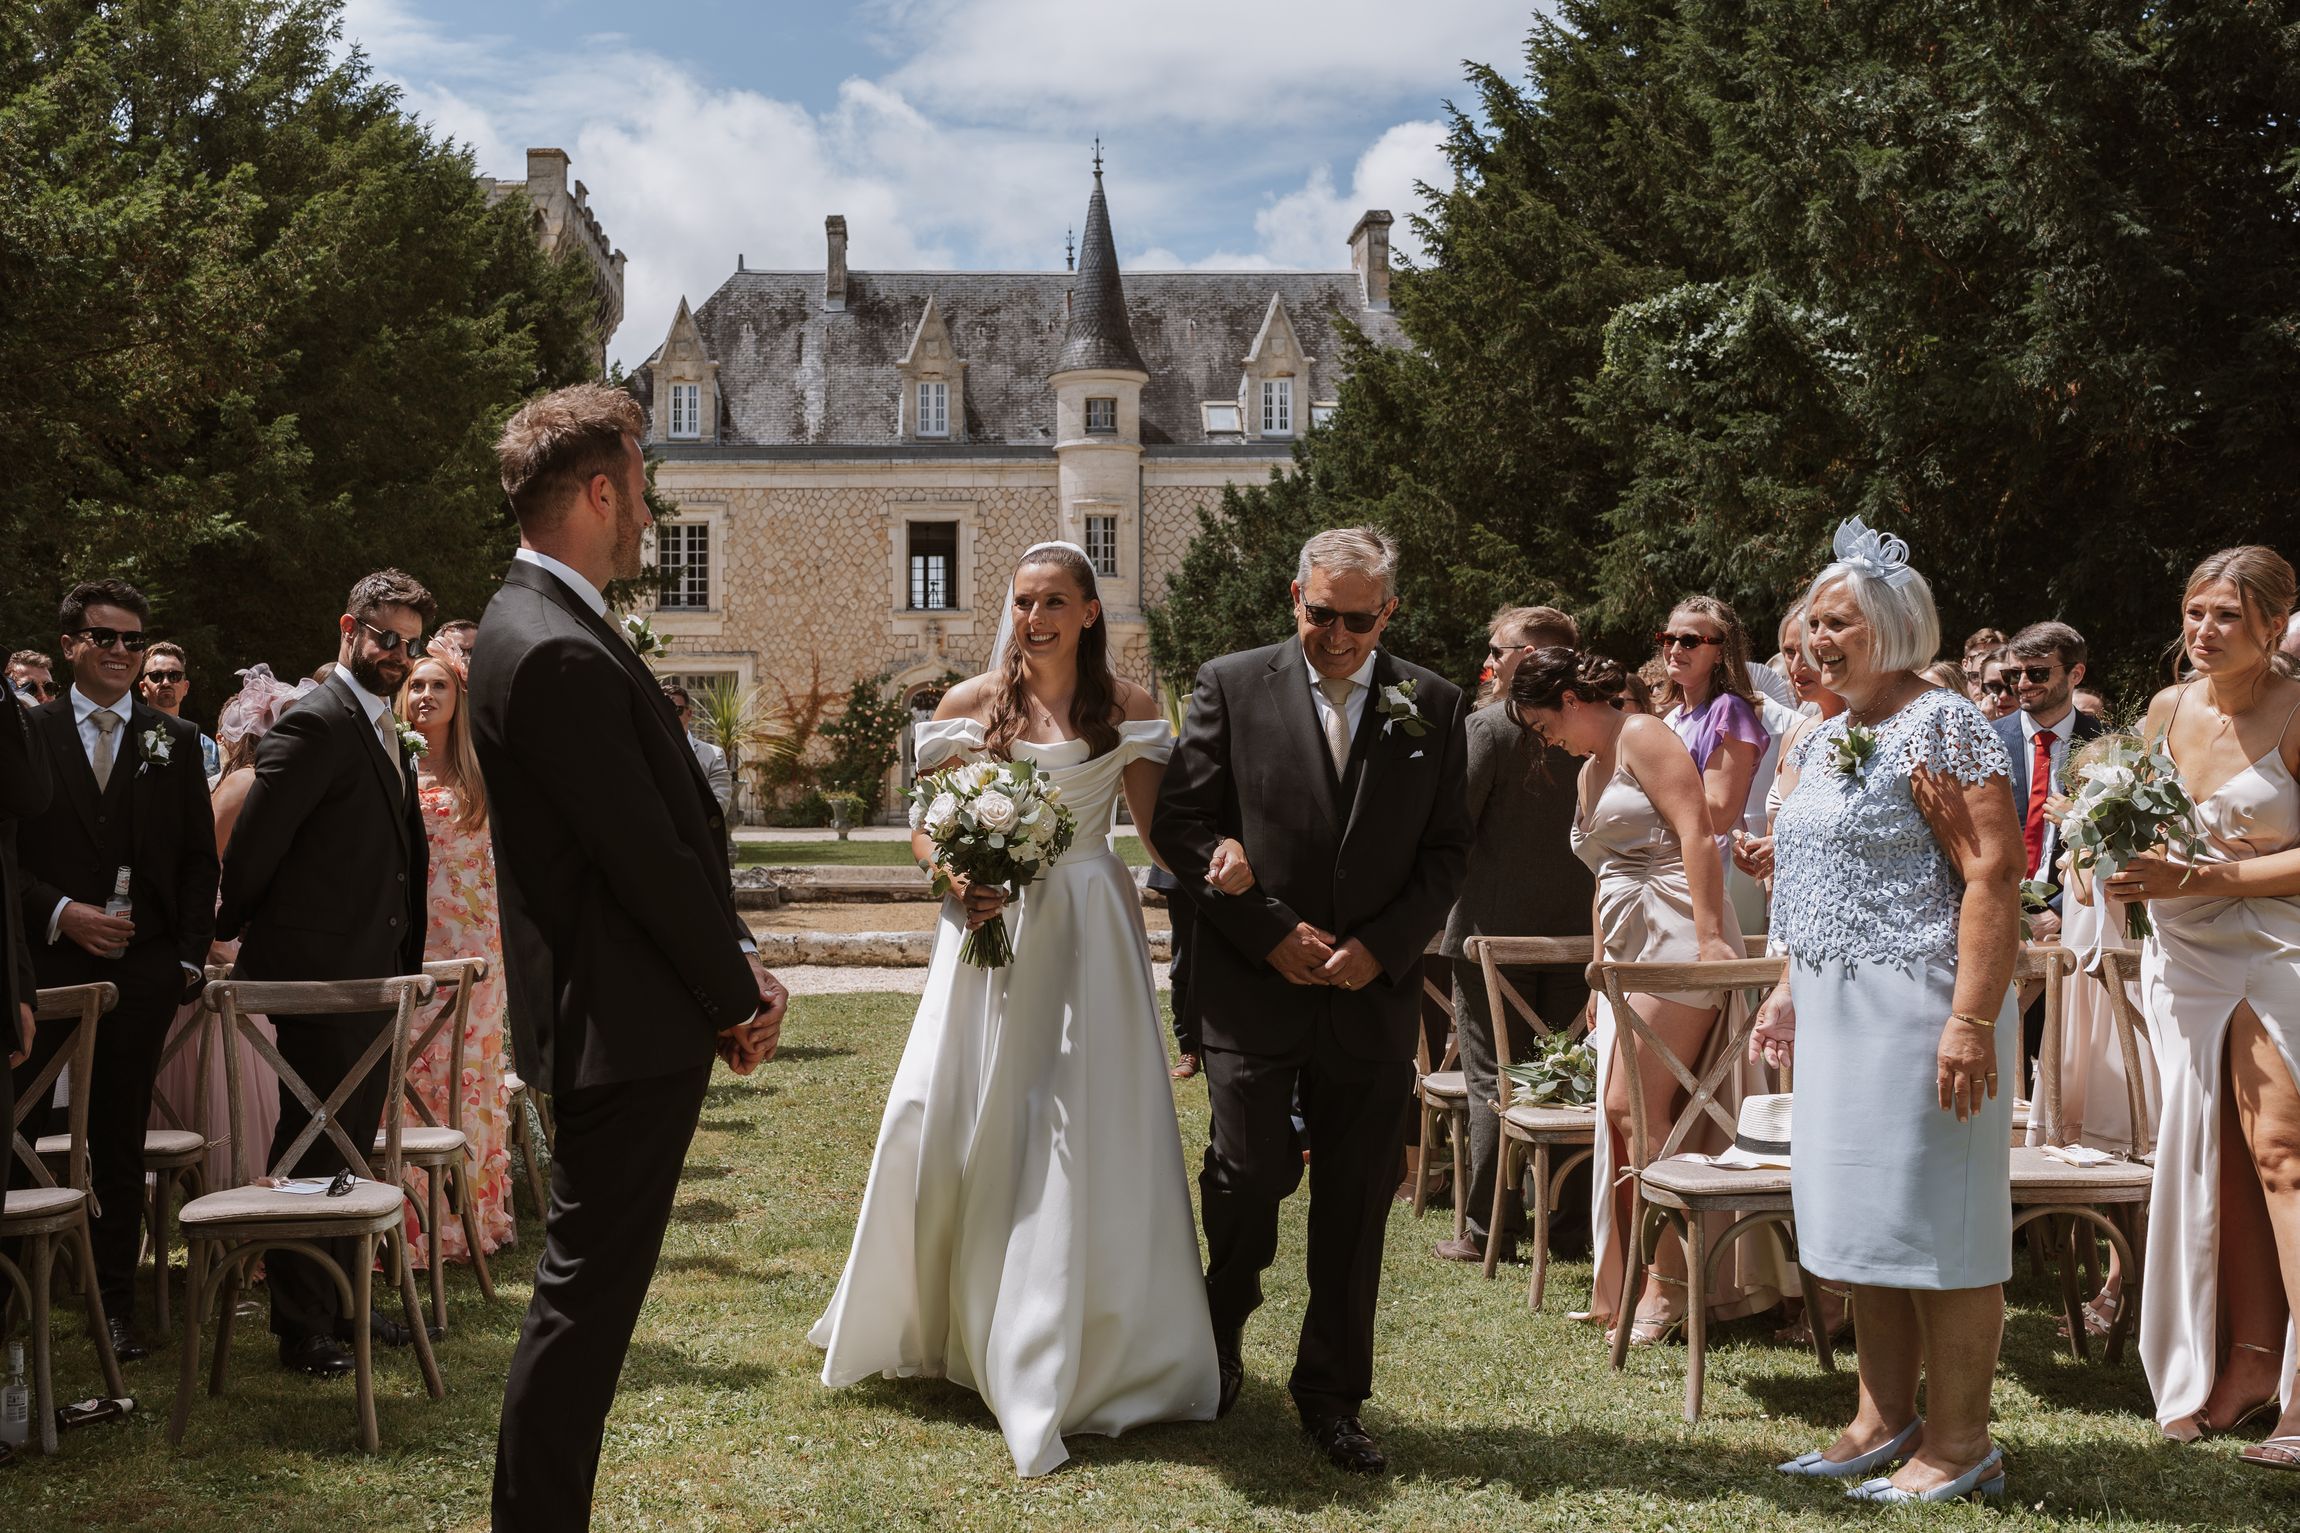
(1340, 769)
(629, 968)
(325, 879)
(131, 792)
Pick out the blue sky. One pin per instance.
(951, 133)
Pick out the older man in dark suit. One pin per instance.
(1339, 769)
(629, 967)
(132, 795)
(326, 879)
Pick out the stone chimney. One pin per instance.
(547, 169)
(1370, 257)
(835, 268)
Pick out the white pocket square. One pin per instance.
(1416, 756)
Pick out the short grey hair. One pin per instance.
(1906, 624)
(1351, 550)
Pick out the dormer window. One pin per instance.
(934, 409)
(1101, 417)
(1277, 407)
(686, 411)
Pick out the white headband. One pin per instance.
(1039, 548)
(1879, 555)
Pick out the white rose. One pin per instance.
(941, 815)
(917, 815)
(995, 812)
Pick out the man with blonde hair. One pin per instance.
(1339, 768)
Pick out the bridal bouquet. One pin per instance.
(996, 824)
(2127, 799)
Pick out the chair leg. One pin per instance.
(233, 1273)
(433, 1382)
(43, 1365)
(467, 1209)
(1537, 1285)
(195, 1279)
(1422, 1159)
(162, 1186)
(1696, 1314)
(434, 1212)
(1809, 1286)
(2071, 1297)
(1457, 1129)
(1632, 1279)
(85, 1248)
(1501, 1182)
(363, 1338)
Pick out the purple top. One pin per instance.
(1724, 717)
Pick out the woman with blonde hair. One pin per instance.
(1707, 697)
(464, 923)
(2220, 977)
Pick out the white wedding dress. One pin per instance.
(1026, 1230)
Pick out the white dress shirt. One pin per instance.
(1361, 688)
(2061, 728)
(584, 590)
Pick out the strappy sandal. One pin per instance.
(1799, 1332)
(2267, 1409)
(2273, 1453)
(2099, 1315)
(1654, 1330)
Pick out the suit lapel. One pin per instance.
(395, 794)
(1289, 682)
(61, 734)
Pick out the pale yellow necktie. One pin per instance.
(107, 745)
(387, 730)
(1338, 690)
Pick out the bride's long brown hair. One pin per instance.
(1094, 704)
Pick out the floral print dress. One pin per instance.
(465, 923)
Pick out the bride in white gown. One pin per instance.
(1026, 1230)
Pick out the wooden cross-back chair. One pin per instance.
(2074, 1205)
(48, 1212)
(176, 1153)
(1442, 1093)
(1667, 1189)
(227, 1230)
(442, 1151)
(1529, 1130)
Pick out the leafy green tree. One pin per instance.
(866, 740)
(258, 326)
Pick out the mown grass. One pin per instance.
(871, 854)
(1493, 1418)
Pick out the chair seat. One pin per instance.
(1553, 1122)
(366, 1200)
(159, 1144)
(1447, 1085)
(1692, 1179)
(33, 1210)
(430, 1143)
(2038, 1178)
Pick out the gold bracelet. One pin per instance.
(1959, 1016)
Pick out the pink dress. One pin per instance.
(465, 924)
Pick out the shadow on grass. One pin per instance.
(703, 1211)
(794, 1052)
(733, 1091)
(652, 1364)
(693, 1173)
(726, 1126)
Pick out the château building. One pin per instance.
(564, 223)
(858, 458)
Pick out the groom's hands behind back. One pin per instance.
(753, 1043)
(1301, 955)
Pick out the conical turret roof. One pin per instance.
(1096, 334)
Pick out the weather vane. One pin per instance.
(1070, 250)
(1097, 155)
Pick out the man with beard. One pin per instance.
(325, 880)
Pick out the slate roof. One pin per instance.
(1097, 335)
(794, 376)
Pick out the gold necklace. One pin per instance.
(1882, 712)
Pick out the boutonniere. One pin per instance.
(1849, 753)
(641, 637)
(1395, 703)
(410, 738)
(158, 748)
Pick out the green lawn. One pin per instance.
(1493, 1418)
(871, 854)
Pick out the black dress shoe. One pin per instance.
(125, 1346)
(323, 1357)
(1347, 1445)
(385, 1332)
(1232, 1363)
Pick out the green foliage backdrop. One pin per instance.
(1714, 275)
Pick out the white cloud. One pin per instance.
(968, 151)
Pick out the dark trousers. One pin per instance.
(129, 1039)
(616, 1155)
(1558, 996)
(322, 1051)
(1356, 1110)
(1182, 917)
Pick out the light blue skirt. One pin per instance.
(1890, 1189)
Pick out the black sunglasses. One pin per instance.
(2037, 675)
(343, 1184)
(163, 678)
(391, 643)
(1355, 622)
(1683, 640)
(105, 638)
(44, 690)
(1996, 688)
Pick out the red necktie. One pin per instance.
(2039, 789)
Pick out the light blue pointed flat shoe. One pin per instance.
(1813, 1466)
(1985, 1479)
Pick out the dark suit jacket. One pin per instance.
(1523, 879)
(619, 926)
(154, 817)
(2082, 727)
(1377, 854)
(326, 873)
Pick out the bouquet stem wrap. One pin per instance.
(996, 824)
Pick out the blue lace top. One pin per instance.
(1857, 872)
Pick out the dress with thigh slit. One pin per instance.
(2209, 956)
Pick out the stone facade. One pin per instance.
(859, 458)
(564, 221)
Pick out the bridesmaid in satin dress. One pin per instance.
(2221, 982)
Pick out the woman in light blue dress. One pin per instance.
(1897, 860)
